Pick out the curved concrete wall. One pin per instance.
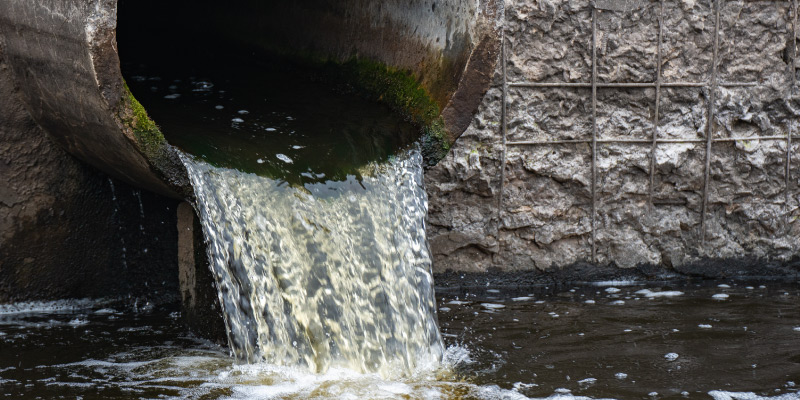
(64, 57)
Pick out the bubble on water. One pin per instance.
(653, 394)
(237, 120)
(172, 87)
(590, 302)
(260, 161)
(78, 322)
(671, 356)
(492, 306)
(724, 286)
(749, 288)
(617, 303)
(587, 381)
(720, 296)
(243, 112)
(219, 107)
(620, 375)
(796, 329)
(458, 302)
(492, 291)
(172, 96)
(284, 158)
(445, 309)
(297, 147)
(685, 394)
(522, 298)
(628, 330)
(613, 290)
(105, 311)
(539, 302)
(704, 326)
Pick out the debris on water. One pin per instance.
(284, 158)
(720, 296)
(172, 96)
(671, 356)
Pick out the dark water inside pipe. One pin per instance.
(266, 116)
(620, 340)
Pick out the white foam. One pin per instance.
(46, 307)
(651, 294)
(723, 395)
(615, 283)
(284, 158)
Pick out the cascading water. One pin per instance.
(326, 275)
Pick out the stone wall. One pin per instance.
(538, 214)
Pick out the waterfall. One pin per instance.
(323, 275)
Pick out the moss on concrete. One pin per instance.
(148, 136)
(402, 92)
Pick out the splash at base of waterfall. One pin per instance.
(327, 275)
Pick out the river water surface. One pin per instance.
(619, 340)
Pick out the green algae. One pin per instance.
(148, 135)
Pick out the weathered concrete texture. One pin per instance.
(63, 58)
(67, 230)
(545, 217)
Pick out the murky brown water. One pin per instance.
(594, 341)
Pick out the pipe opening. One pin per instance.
(237, 98)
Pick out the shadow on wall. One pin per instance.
(67, 230)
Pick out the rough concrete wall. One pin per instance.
(67, 230)
(545, 217)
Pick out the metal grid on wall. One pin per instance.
(711, 86)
